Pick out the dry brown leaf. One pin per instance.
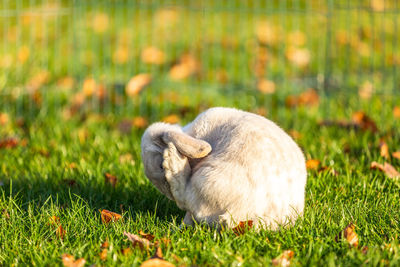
(136, 240)
(140, 122)
(266, 86)
(349, 234)
(69, 261)
(4, 118)
(149, 237)
(8, 143)
(396, 112)
(309, 97)
(388, 169)
(137, 83)
(158, 254)
(172, 119)
(396, 154)
(312, 164)
(384, 150)
(364, 121)
(242, 227)
(283, 260)
(105, 244)
(156, 263)
(153, 55)
(109, 216)
(110, 179)
(60, 232)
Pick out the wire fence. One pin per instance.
(54, 51)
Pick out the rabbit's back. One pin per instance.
(255, 169)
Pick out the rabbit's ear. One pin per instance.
(187, 145)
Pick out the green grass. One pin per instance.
(35, 176)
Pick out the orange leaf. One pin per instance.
(156, 263)
(4, 118)
(266, 86)
(126, 251)
(111, 179)
(105, 244)
(396, 112)
(153, 55)
(60, 232)
(140, 122)
(172, 119)
(312, 164)
(136, 240)
(388, 169)
(349, 234)
(283, 259)
(241, 228)
(364, 121)
(149, 237)
(137, 83)
(69, 261)
(396, 154)
(8, 143)
(103, 254)
(109, 216)
(384, 149)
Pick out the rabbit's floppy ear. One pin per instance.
(187, 145)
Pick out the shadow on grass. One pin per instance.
(138, 198)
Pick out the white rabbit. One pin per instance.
(227, 166)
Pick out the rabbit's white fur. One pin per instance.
(255, 171)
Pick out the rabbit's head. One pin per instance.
(154, 142)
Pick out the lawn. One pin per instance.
(69, 119)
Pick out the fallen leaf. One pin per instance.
(153, 55)
(396, 154)
(110, 179)
(60, 232)
(8, 143)
(156, 263)
(172, 119)
(137, 83)
(4, 118)
(388, 169)
(140, 122)
(365, 90)
(66, 83)
(149, 237)
(349, 234)
(121, 55)
(109, 216)
(242, 227)
(312, 164)
(158, 254)
(89, 86)
(396, 112)
(331, 170)
(187, 66)
(5, 214)
(105, 244)
(126, 251)
(136, 240)
(125, 126)
(267, 33)
(103, 254)
(364, 250)
(297, 38)
(266, 86)
(126, 158)
(295, 134)
(364, 121)
(38, 80)
(309, 97)
(384, 150)
(69, 261)
(378, 5)
(100, 22)
(23, 54)
(283, 260)
(70, 182)
(298, 56)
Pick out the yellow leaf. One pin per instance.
(312, 164)
(266, 86)
(172, 119)
(137, 83)
(69, 261)
(283, 260)
(100, 22)
(153, 55)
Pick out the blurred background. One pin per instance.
(153, 60)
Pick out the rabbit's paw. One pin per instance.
(175, 165)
